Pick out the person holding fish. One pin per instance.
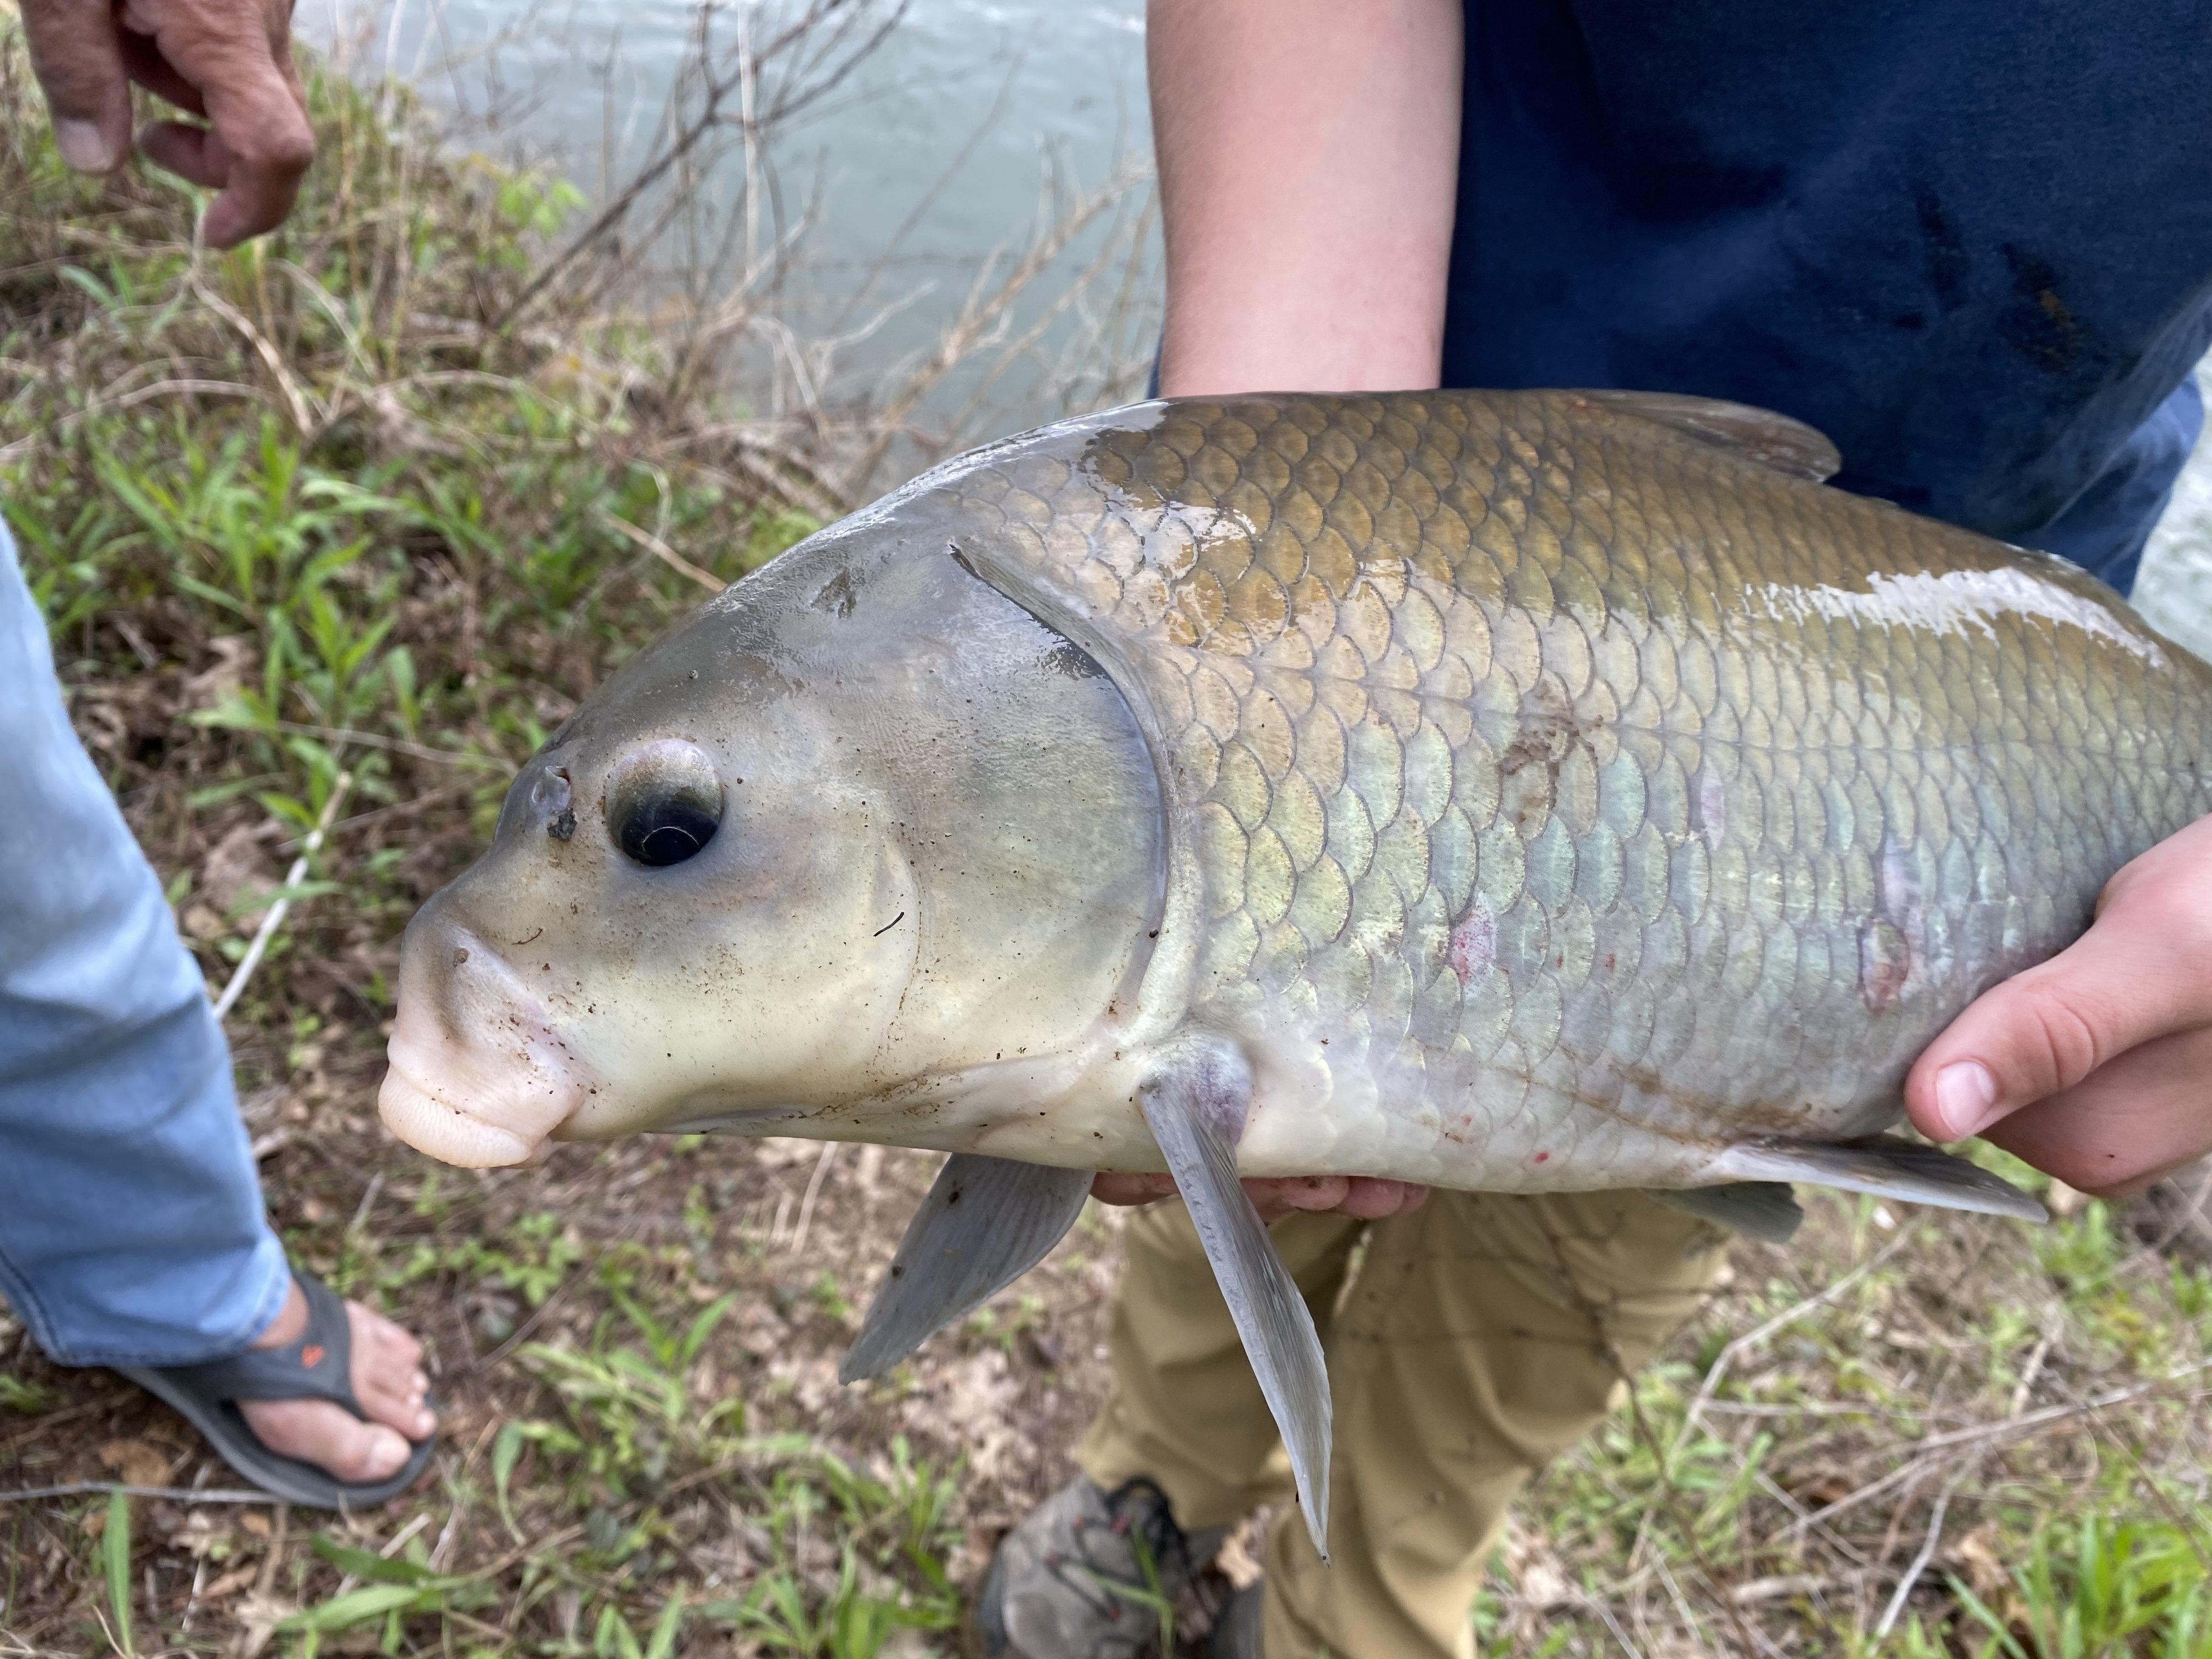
(1969, 243)
(1293, 783)
(132, 1232)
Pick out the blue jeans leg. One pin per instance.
(132, 1226)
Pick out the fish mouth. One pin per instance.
(479, 1102)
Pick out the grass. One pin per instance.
(1990, 1442)
(309, 511)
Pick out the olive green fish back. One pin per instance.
(1570, 791)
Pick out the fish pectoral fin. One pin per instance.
(1772, 440)
(1885, 1166)
(1196, 1107)
(986, 1222)
(1760, 1209)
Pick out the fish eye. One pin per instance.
(664, 803)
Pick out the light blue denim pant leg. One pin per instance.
(132, 1226)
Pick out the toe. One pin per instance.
(329, 1436)
(388, 1378)
(396, 1340)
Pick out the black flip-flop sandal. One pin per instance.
(319, 1366)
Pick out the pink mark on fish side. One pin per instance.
(1885, 963)
(1897, 891)
(1709, 806)
(1895, 937)
(1473, 946)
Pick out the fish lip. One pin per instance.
(451, 1094)
(450, 1133)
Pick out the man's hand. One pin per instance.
(2096, 1065)
(230, 61)
(1369, 1197)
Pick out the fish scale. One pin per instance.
(1598, 794)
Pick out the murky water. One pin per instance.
(937, 149)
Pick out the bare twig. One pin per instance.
(661, 550)
(1927, 1553)
(813, 1190)
(103, 1488)
(270, 922)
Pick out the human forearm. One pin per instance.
(1309, 154)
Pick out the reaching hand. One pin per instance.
(1370, 1197)
(230, 61)
(2096, 1065)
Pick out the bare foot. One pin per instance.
(387, 1380)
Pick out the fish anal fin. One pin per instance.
(1759, 1209)
(1196, 1105)
(1757, 434)
(986, 1222)
(1886, 1166)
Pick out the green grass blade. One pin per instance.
(661, 1644)
(115, 1556)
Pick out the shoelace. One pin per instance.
(1139, 1512)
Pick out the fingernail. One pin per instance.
(387, 1455)
(1966, 1098)
(83, 145)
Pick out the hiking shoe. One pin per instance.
(1236, 1626)
(1089, 1575)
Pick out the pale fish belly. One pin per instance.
(1569, 803)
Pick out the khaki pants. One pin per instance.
(1481, 1336)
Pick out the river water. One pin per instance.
(939, 146)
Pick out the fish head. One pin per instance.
(855, 826)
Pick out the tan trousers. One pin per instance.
(1479, 1337)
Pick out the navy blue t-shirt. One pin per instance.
(1971, 240)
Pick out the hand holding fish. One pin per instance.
(230, 61)
(2091, 1065)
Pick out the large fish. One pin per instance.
(1525, 792)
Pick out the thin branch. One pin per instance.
(263, 934)
(101, 1488)
(662, 551)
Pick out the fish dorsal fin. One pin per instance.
(986, 1222)
(1884, 1165)
(1756, 434)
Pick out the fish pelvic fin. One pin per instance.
(1886, 1166)
(986, 1222)
(1196, 1107)
(1759, 1209)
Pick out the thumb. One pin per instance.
(78, 57)
(2047, 1029)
